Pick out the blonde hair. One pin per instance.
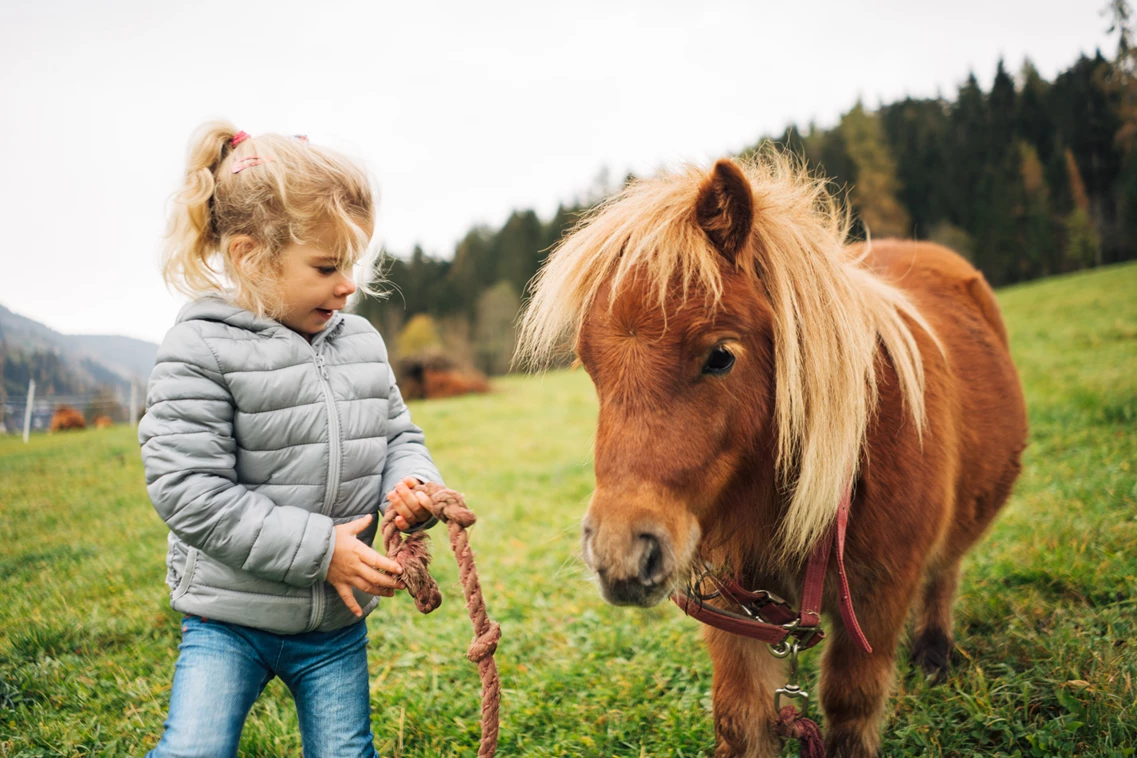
(830, 312)
(299, 191)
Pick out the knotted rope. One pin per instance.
(793, 724)
(413, 554)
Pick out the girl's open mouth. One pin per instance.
(324, 312)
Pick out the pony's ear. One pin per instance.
(725, 208)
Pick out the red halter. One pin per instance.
(768, 618)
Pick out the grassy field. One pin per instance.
(1046, 630)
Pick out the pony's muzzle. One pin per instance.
(634, 566)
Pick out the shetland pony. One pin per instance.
(749, 366)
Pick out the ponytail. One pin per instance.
(192, 238)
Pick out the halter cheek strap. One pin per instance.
(770, 619)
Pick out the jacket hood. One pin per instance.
(217, 308)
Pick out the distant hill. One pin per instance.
(126, 354)
(70, 363)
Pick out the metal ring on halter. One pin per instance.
(793, 643)
(791, 691)
(784, 649)
(772, 598)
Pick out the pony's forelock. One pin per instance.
(830, 313)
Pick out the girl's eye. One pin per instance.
(719, 362)
(327, 270)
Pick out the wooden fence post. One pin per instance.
(28, 409)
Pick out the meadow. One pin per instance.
(1045, 622)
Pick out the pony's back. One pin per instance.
(981, 413)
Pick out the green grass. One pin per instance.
(1045, 619)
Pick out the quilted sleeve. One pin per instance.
(189, 455)
(406, 449)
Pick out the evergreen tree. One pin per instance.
(998, 195)
(967, 145)
(1087, 112)
(1033, 217)
(875, 184)
(518, 249)
(1032, 119)
(916, 130)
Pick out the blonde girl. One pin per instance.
(274, 434)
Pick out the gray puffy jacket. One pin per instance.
(255, 443)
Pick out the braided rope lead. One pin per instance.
(413, 554)
(793, 724)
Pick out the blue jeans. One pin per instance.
(223, 668)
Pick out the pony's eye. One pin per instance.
(719, 362)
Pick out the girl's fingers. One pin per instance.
(423, 503)
(411, 506)
(348, 599)
(372, 579)
(405, 514)
(375, 560)
(357, 526)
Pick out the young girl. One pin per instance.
(274, 432)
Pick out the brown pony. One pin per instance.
(749, 366)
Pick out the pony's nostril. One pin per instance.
(586, 529)
(651, 562)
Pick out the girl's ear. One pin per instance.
(240, 247)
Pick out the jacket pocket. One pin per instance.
(211, 573)
(187, 575)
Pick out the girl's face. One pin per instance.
(312, 288)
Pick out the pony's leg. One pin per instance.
(745, 677)
(933, 639)
(854, 684)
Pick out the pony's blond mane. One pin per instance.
(831, 314)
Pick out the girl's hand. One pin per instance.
(410, 506)
(354, 564)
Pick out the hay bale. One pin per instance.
(433, 374)
(66, 417)
(103, 422)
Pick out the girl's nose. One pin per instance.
(346, 287)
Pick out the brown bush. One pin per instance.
(434, 374)
(66, 417)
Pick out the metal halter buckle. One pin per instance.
(797, 637)
(792, 690)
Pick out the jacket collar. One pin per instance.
(218, 308)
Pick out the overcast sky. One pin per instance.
(463, 111)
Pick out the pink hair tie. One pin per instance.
(249, 162)
(238, 138)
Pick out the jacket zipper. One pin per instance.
(334, 453)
